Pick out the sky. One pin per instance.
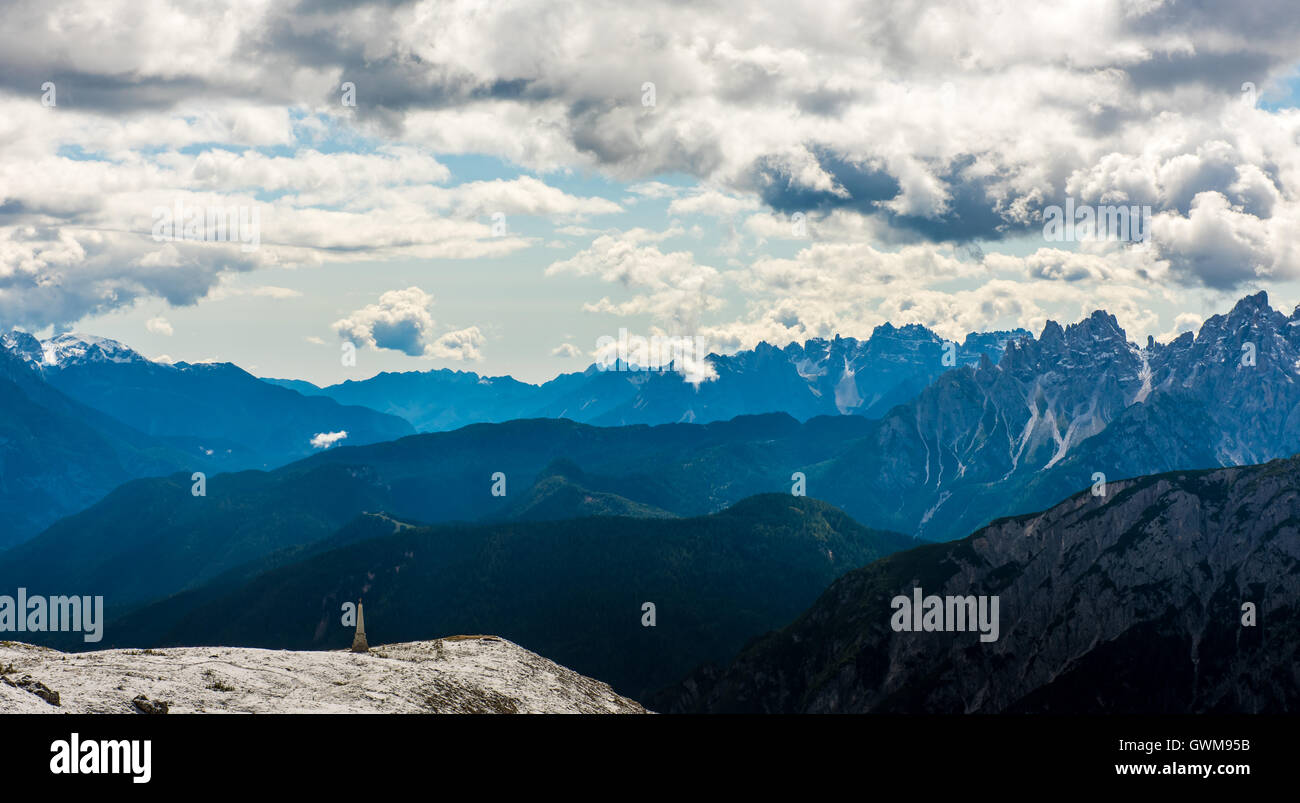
(493, 187)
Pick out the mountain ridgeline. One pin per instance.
(1053, 416)
(58, 456)
(573, 590)
(141, 418)
(555, 533)
(215, 409)
(840, 376)
(1173, 593)
(79, 416)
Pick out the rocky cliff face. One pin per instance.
(458, 675)
(1080, 400)
(1131, 602)
(1243, 368)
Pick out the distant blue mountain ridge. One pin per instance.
(839, 376)
(903, 441)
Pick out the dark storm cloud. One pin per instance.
(1225, 71)
(1262, 20)
(393, 83)
(863, 184)
(971, 212)
(825, 102)
(331, 6)
(101, 92)
(1048, 99)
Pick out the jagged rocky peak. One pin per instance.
(1271, 338)
(1174, 349)
(1252, 303)
(1097, 340)
(908, 331)
(23, 345)
(996, 340)
(1053, 336)
(1100, 325)
(1252, 310)
(1255, 311)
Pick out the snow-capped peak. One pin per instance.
(23, 345)
(77, 349)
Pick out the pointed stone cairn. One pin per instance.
(359, 640)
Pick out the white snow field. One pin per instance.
(458, 674)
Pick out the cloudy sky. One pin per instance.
(494, 186)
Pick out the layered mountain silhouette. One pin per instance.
(81, 415)
(1169, 593)
(217, 410)
(574, 590)
(1054, 415)
(554, 532)
(216, 417)
(57, 455)
(565, 491)
(819, 377)
(185, 540)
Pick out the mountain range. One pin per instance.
(81, 415)
(216, 409)
(555, 532)
(839, 376)
(58, 455)
(573, 590)
(156, 418)
(1172, 593)
(1054, 415)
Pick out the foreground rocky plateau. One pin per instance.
(454, 675)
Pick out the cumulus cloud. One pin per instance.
(566, 350)
(712, 203)
(78, 233)
(908, 129)
(53, 275)
(462, 344)
(1223, 246)
(670, 287)
(1183, 322)
(159, 326)
(402, 320)
(324, 440)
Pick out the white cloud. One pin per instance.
(324, 440)
(159, 326)
(462, 344)
(713, 204)
(891, 126)
(654, 189)
(403, 321)
(671, 287)
(1183, 322)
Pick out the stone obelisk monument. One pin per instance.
(359, 640)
